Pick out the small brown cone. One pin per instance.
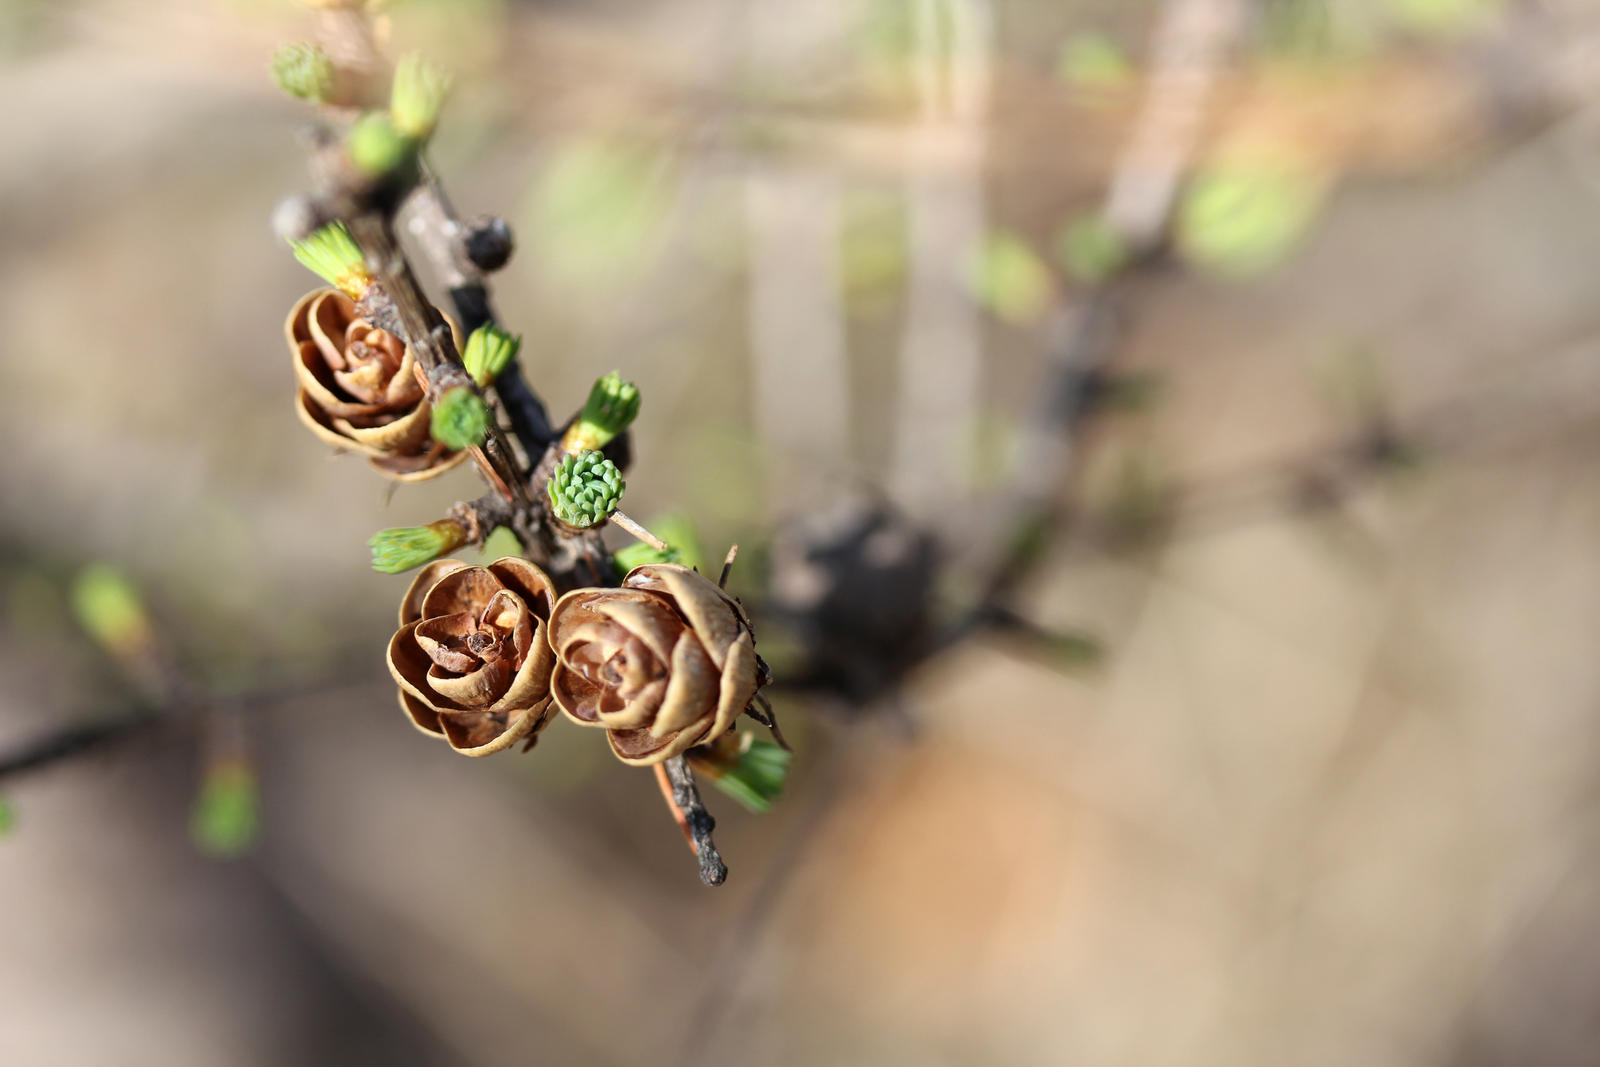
(359, 388)
(664, 663)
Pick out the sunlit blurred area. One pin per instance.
(1161, 440)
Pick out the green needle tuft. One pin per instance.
(418, 95)
(403, 547)
(585, 489)
(332, 255)
(612, 406)
(460, 418)
(303, 70)
(758, 778)
(377, 146)
(488, 350)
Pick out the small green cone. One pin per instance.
(376, 146)
(489, 349)
(226, 816)
(403, 547)
(332, 255)
(612, 406)
(417, 97)
(757, 779)
(303, 70)
(585, 489)
(460, 418)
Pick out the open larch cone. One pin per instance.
(472, 655)
(664, 663)
(359, 388)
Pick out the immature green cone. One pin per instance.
(488, 351)
(403, 547)
(303, 70)
(460, 418)
(418, 94)
(585, 489)
(377, 146)
(331, 254)
(613, 404)
(750, 770)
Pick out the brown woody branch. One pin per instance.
(446, 242)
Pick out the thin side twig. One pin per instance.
(692, 814)
(74, 740)
(623, 521)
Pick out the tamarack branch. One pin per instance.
(663, 660)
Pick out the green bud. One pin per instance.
(639, 554)
(303, 70)
(460, 418)
(8, 817)
(757, 779)
(488, 350)
(678, 531)
(585, 489)
(108, 606)
(227, 812)
(1091, 250)
(613, 404)
(332, 255)
(403, 547)
(418, 94)
(376, 145)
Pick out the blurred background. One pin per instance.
(1162, 438)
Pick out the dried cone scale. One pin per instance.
(663, 663)
(472, 656)
(359, 388)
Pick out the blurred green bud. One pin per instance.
(500, 543)
(303, 70)
(403, 547)
(585, 489)
(418, 94)
(460, 418)
(376, 146)
(1008, 278)
(1240, 218)
(488, 350)
(679, 532)
(612, 406)
(8, 817)
(638, 554)
(226, 815)
(1094, 61)
(108, 606)
(332, 255)
(1090, 249)
(753, 773)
